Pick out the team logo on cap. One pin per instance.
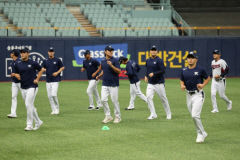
(154, 62)
(195, 73)
(29, 66)
(54, 62)
(90, 64)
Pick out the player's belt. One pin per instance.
(193, 92)
(219, 79)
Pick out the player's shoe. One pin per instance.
(12, 116)
(201, 137)
(28, 128)
(56, 111)
(229, 107)
(37, 125)
(117, 120)
(107, 119)
(204, 135)
(90, 108)
(98, 107)
(169, 117)
(129, 108)
(214, 111)
(152, 117)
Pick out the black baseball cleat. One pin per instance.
(90, 108)
(97, 108)
(129, 108)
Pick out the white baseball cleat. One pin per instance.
(201, 137)
(107, 119)
(204, 135)
(56, 111)
(169, 117)
(152, 117)
(28, 128)
(12, 116)
(37, 125)
(214, 111)
(117, 120)
(229, 107)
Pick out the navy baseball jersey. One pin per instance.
(192, 77)
(110, 78)
(27, 70)
(52, 65)
(13, 63)
(91, 66)
(131, 72)
(155, 66)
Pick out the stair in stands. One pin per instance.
(56, 1)
(84, 21)
(11, 26)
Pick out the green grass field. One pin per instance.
(76, 133)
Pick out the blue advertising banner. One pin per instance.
(173, 51)
(97, 51)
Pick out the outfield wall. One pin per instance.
(172, 50)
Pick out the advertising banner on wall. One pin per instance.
(173, 51)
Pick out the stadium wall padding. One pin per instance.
(172, 50)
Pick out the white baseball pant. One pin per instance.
(220, 87)
(113, 92)
(29, 98)
(160, 90)
(194, 104)
(92, 90)
(52, 89)
(135, 90)
(15, 88)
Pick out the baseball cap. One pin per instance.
(51, 49)
(192, 55)
(109, 48)
(86, 52)
(153, 48)
(15, 52)
(24, 50)
(121, 59)
(216, 51)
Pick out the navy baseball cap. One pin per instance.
(86, 52)
(109, 48)
(153, 48)
(216, 51)
(15, 52)
(24, 50)
(51, 49)
(192, 55)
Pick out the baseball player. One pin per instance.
(53, 67)
(25, 70)
(15, 83)
(131, 71)
(192, 81)
(110, 83)
(155, 70)
(219, 70)
(91, 66)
